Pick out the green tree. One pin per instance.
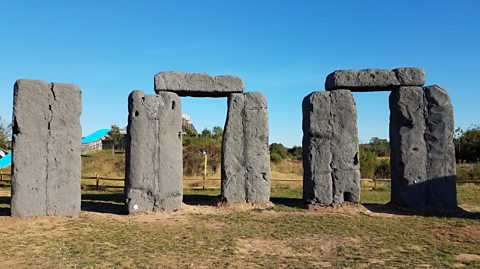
(206, 133)
(467, 144)
(217, 132)
(115, 136)
(278, 148)
(368, 162)
(296, 152)
(380, 146)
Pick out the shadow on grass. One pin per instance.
(290, 202)
(200, 199)
(104, 202)
(5, 205)
(402, 211)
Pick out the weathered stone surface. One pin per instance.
(408, 159)
(46, 161)
(154, 165)
(245, 154)
(441, 189)
(374, 79)
(197, 85)
(330, 148)
(422, 150)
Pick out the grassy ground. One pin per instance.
(285, 236)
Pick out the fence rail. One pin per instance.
(98, 179)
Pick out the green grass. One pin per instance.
(285, 236)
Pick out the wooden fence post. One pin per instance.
(1, 176)
(374, 183)
(97, 181)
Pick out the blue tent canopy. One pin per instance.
(6, 160)
(95, 136)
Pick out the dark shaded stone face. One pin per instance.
(422, 149)
(330, 148)
(154, 165)
(46, 161)
(197, 85)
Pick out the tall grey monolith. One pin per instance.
(46, 164)
(422, 150)
(154, 168)
(408, 154)
(330, 148)
(245, 153)
(441, 168)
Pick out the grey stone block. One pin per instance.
(46, 161)
(441, 188)
(197, 85)
(245, 153)
(154, 165)
(422, 150)
(330, 148)
(374, 79)
(408, 157)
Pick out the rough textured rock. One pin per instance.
(245, 153)
(154, 165)
(197, 85)
(441, 189)
(330, 148)
(374, 79)
(422, 150)
(46, 161)
(408, 159)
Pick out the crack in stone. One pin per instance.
(332, 164)
(47, 166)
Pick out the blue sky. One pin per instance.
(282, 48)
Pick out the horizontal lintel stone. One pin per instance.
(374, 79)
(197, 84)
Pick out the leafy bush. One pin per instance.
(383, 169)
(275, 157)
(368, 162)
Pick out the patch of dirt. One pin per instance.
(317, 249)
(470, 208)
(465, 257)
(460, 232)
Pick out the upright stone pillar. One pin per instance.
(422, 150)
(330, 148)
(245, 153)
(408, 154)
(46, 164)
(154, 165)
(441, 170)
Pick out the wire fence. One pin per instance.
(203, 183)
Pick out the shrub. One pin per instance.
(275, 157)
(368, 162)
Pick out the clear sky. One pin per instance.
(282, 48)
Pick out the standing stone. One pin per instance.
(441, 188)
(197, 85)
(330, 148)
(374, 79)
(46, 162)
(245, 153)
(154, 165)
(408, 159)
